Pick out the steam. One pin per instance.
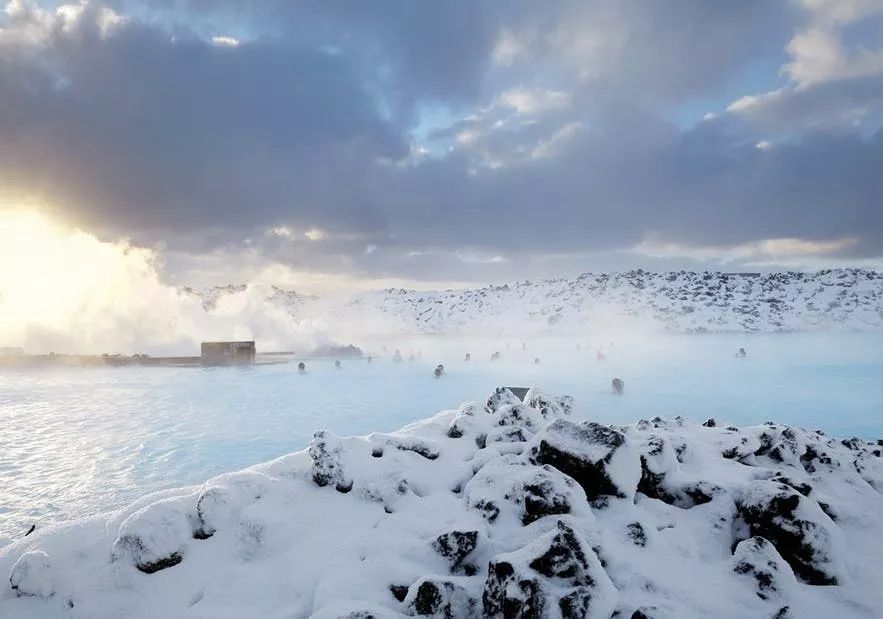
(67, 291)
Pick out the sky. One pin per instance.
(338, 145)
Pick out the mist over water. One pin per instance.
(79, 441)
(69, 292)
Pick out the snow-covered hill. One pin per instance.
(676, 301)
(504, 508)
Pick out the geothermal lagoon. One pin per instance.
(77, 442)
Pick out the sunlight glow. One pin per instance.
(50, 272)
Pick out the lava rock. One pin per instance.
(650, 612)
(416, 445)
(597, 457)
(399, 592)
(815, 457)
(222, 497)
(798, 528)
(464, 420)
(506, 435)
(770, 576)
(525, 491)
(501, 396)
(519, 416)
(549, 406)
(154, 538)
(455, 546)
(802, 487)
(543, 498)
(446, 599)
(685, 495)
(557, 575)
(325, 452)
(636, 533)
(781, 445)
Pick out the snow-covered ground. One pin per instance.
(850, 299)
(498, 507)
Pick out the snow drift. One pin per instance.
(501, 508)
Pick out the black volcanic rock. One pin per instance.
(441, 598)
(455, 546)
(797, 527)
(556, 575)
(325, 452)
(586, 452)
(766, 571)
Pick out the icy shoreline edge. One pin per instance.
(502, 508)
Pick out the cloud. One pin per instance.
(527, 102)
(140, 128)
(835, 80)
(775, 251)
(460, 141)
(226, 41)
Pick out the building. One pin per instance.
(228, 353)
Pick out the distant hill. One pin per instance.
(679, 301)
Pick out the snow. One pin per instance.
(679, 301)
(32, 575)
(399, 523)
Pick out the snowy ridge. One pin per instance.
(504, 508)
(676, 301)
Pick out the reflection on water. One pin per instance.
(75, 442)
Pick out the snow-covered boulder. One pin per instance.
(501, 396)
(549, 406)
(455, 546)
(557, 575)
(764, 569)
(424, 448)
(325, 451)
(651, 612)
(464, 421)
(223, 498)
(155, 537)
(661, 478)
(32, 575)
(798, 528)
(519, 416)
(442, 598)
(597, 457)
(507, 434)
(510, 489)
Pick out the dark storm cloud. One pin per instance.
(564, 145)
(704, 186)
(140, 130)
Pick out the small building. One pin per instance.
(11, 351)
(228, 353)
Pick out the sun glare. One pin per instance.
(50, 272)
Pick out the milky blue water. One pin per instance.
(79, 441)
